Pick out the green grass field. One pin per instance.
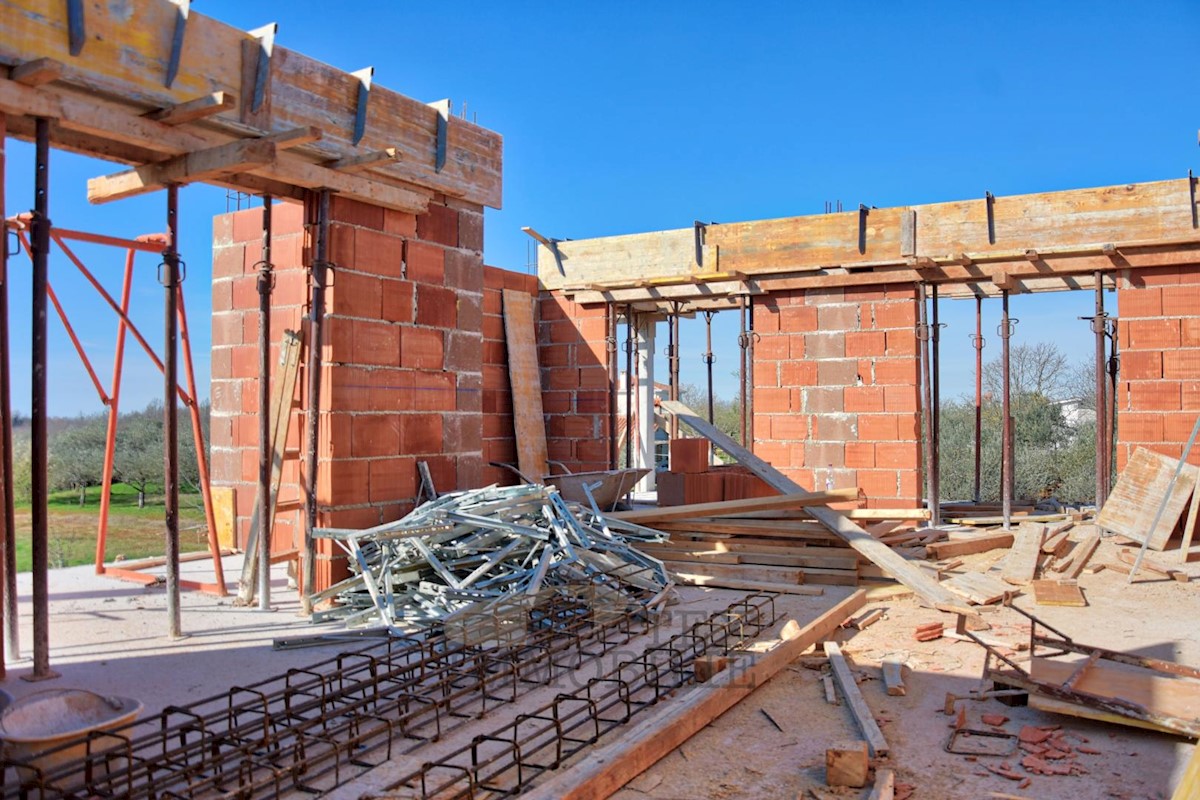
(132, 532)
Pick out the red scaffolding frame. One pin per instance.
(151, 243)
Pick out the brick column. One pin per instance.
(835, 390)
(1158, 333)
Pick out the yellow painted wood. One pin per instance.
(224, 499)
(1189, 784)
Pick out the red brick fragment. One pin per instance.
(1033, 735)
(995, 720)
(1091, 751)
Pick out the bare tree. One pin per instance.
(1039, 368)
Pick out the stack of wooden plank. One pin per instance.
(757, 543)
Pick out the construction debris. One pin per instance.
(484, 550)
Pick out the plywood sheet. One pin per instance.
(528, 422)
(1134, 501)
(1160, 694)
(1058, 593)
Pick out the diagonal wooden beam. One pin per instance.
(201, 165)
(285, 140)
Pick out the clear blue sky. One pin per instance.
(624, 117)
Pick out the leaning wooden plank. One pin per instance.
(858, 705)
(877, 552)
(1189, 527)
(525, 377)
(1131, 506)
(608, 768)
(978, 588)
(965, 547)
(1020, 566)
(732, 508)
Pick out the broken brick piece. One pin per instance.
(995, 720)
(1033, 735)
(1091, 751)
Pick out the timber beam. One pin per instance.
(201, 165)
(1041, 242)
(141, 95)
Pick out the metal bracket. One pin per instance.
(700, 231)
(863, 211)
(266, 45)
(977, 341)
(990, 200)
(182, 9)
(442, 107)
(1192, 196)
(1006, 334)
(1099, 322)
(76, 29)
(364, 76)
(180, 268)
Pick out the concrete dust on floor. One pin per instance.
(110, 637)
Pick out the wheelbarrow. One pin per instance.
(606, 486)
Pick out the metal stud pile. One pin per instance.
(480, 549)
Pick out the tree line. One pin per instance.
(76, 453)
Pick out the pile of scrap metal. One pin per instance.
(468, 553)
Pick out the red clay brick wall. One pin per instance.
(403, 376)
(237, 250)
(1158, 332)
(835, 383)
(575, 387)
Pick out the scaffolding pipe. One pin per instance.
(1099, 329)
(313, 368)
(629, 348)
(40, 234)
(12, 629)
(923, 339)
(114, 405)
(170, 280)
(265, 280)
(614, 372)
(673, 347)
(978, 341)
(750, 373)
(709, 358)
(1006, 443)
(743, 370)
(935, 338)
(1110, 415)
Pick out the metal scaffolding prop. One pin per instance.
(312, 728)
(110, 396)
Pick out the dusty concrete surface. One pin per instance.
(110, 637)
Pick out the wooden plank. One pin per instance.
(887, 513)
(870, 547)
(364, 161)
(858, 704)
(1020, 566)
(1080, 555)
(609, 767)
(38, 72)
(1134, 501)
(524, 377)
(1058, 593)
(965, 547)
(280, 410)
(1189, 782)
(202, 165)
(749, 527)
(1161, 695)
(893, 677)
(197, 108)
(1150, 565)
(738, 572)
(978, 588)
(714, 582)
(224, 500)
(885, 785)
(732, 508)
(1189, 527)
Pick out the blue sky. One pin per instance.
(624, 117)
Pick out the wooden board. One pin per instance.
(1080, 555)
(1134, 501)
(978, 588)
(1189, 784)
(712, 582)
(1020, 566)
(870, 547)
(609, 767)
(1160, 694)
(224, 500)
(1189, 526)
(733, 508)
(964, 547)
(524, 376)
(858, 704)
(1058, 593)
(286, 372)
(745, 573)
